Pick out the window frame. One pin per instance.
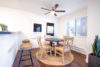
(75, 20)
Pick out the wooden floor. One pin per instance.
(79, 60)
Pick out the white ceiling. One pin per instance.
(35, 5)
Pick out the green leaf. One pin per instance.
(97, 43)
(98, 53)
(94, 48)
(3, 25)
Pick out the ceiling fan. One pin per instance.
(53, 10)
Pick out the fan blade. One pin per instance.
(47, 13)
(60, 11)
(56, 5)
(45, 9)
(55, 14)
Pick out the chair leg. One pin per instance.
(20, 58)
(63, 58)
(69, 52)
(41, 54)
(55, 52)
(45, 52)
(50, 52)
(31, 57)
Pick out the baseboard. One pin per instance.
(80, 50)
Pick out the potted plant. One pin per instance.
(4, 27)
(94, 58)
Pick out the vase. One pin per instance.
(93, 61)
(4, 29)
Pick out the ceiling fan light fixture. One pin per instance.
(52, 12)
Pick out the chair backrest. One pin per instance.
(45, 37)
(66, 36)
(39, 40)
(68, 42)
(26, 41)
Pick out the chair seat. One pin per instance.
(26, 41)
(61, 43)
(61, 49)
(46, 46)
(47, 42)
(26, 45)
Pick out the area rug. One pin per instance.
(55, 60)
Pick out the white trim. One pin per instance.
(80, 50)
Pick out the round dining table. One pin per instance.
(52, 40)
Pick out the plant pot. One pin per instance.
(93, 61)
(4, 29)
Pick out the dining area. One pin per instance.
(55, 51)
(52, 51)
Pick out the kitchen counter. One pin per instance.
(9, 45)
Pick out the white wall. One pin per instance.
(18, 20)
(9, 46)
(79, 42)
(93, 23)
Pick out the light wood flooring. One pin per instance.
(79, 60)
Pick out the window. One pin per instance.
(71, 28)
(77, 27)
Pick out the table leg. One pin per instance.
(51, 43)
(58, 43)
(51, 48)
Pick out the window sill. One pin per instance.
(81, 36)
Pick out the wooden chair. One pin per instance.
(43, 48)
(26, 45)
(47, 42)
(67, 45)
(65, 36)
